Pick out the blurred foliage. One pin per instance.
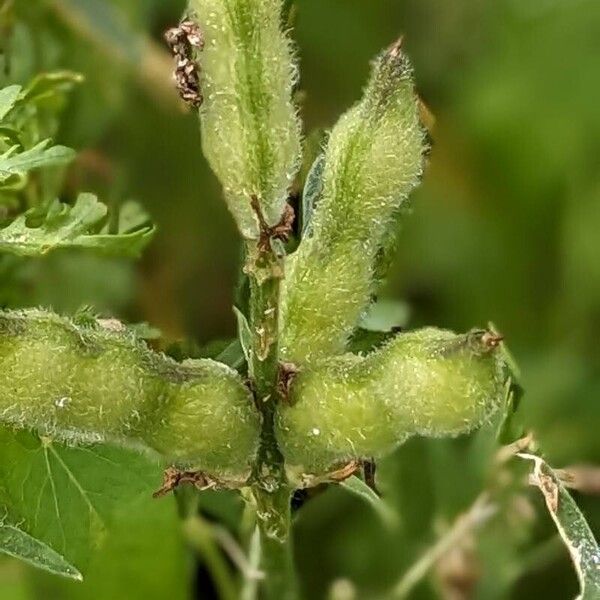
(504, 228)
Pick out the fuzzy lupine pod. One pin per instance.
(429, 382)
(373, 159)
(95, 381)
(250, 129)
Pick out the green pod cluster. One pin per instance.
(95, 381)
(430, 382)
(250, 129)
(373, 159)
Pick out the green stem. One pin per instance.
(269, 484)
(201, 537)
(276, 560)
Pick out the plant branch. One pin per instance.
(201, 537)
(481, 511)
(270, 489)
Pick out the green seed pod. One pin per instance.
(250, 129)
(373, 160)
(96, 381)
(429, 382)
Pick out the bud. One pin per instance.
(373, 159)
(429, 382)
(95, 381)
(250, 129)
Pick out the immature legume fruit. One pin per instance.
(250, 129)
(95, 381)
(430, 382)
(373, 159)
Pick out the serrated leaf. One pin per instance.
(360, 489)
(75, 226)
(14, 162)
(18, 544)
(8, 98)
(65, 496)
(572, 527)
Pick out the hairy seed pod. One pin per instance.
(429, 382)
(372, 161)
(96, 381)
(250, 130)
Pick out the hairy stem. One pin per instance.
(269, 484)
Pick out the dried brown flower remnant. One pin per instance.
(183, 40)
(173, 478)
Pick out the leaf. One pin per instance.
(72, 226)
(360, 489)
(143, 558)
(13, 162)
(509, 428)
(18, 544)
(45, 85)
(65, 496)
(8, 98)
(232, 355)
(244, 333)
(312, 190)
(10, 134)
(572, 527)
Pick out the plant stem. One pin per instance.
(269, 483)
(200, 535)
(480, 512)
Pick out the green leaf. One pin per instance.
(73, 226)
(572, 527)
(360, 489)
(13, 162)
(15, 542)
(64, 496)
(232, 355)
(244, 333)
(312, 190)
(8, 98)
(10, 134)
(45, 85)
(143, 558)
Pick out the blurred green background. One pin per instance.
(505, 228)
